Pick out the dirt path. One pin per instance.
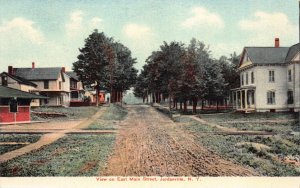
(49, 138)
(150, 144)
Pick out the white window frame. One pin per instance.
(242, 79)
(271, 97)
(290, 78)
(271, 77)
(252, 78)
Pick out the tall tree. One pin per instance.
(105, 64)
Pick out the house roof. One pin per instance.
(267, 55)
(292, 52)
(19, 79)
(38, 73)
(270, 55)
(72, 75)
(6, 92)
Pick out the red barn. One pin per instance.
(15, 105)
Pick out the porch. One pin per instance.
(243, 99)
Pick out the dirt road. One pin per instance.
(150, 144)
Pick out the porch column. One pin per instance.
(246, 99)
(241, 98)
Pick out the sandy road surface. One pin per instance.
(150, 144)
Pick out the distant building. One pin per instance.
(269, 79)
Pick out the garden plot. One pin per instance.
(270, 155)
(10, 142)
(71, 113)
(73, 155)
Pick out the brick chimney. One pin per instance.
(10, 70)
(33, 65)
(63, 69)
(277, 43)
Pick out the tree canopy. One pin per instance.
(186, 74)
(106, 64)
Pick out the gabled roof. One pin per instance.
(72, 75)
(38, 73)
(267, 55)
(270, 55)
(6, 92)
(19, 79)
(292, 52)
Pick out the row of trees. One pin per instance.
(184, 74)
(106, 65)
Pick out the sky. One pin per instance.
(50, 33)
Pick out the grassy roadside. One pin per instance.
(72, 155)
(259, 152)
(18, 138)
(72, 113)
(109, 119)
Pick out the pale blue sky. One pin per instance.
(50, 32)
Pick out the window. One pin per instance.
(4, 80)
(59, 85)
(289, 75)
(46, 84)
(247, 78)
(290, 96)
(271, 76)
(242, 79)
(252, 77)
(271, 97)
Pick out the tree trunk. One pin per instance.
(176, 105)
(97, 96)
(181, 105)
(202, 104)
(194, 106)
(185, 106)
(217, 105)
(174, 101)
(170, 103)
(153, 97)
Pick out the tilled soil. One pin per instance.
(150, 144)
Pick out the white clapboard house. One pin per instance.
(269, 79)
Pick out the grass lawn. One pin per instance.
(242, 150)
(72, 155)
(19, 138)
(71, 112)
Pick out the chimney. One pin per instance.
(63, 69)
(33, 65)
(10, 70)
(277, 43)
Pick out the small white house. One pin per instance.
(269, 79)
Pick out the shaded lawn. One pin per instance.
(30, 138)
(72, 155)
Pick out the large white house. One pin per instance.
(269, 79)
